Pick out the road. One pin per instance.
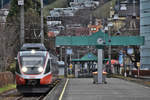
(115, 89)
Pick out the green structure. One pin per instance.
(98, 39)
(92, 40)
(86, 58)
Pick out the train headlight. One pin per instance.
(24, 69)
(33, 51)
(40, 69)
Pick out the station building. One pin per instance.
(145, 31)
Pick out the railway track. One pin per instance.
(9, 95)
(38, 97)
(15, 95)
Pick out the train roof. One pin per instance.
(35, 46)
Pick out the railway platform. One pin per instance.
(115, 89)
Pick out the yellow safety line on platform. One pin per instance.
(62, 93)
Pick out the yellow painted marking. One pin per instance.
(62, 93)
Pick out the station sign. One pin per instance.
(89, 56)
(130, 51)
(69, 51)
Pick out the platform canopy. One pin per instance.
(92, 40)
(86, 58)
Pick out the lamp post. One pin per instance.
(61, 51)
(21, 4)
(109, 40)
(124, 62)
(1, 4)
(116, 23)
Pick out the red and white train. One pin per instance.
(36, 69)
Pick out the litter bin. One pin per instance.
(95, 77)
(104, 77)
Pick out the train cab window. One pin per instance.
(48, 67)
(32, 64)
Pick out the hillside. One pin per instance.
(46, 2)
(101, 12)
(56, 4)
(104, 10)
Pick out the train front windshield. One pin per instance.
(32, 65)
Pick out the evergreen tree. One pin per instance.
(31, 15)
(15, 8)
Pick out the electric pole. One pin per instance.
(21, 3)
(1, 4)
(42, 27)
(109, 41)
(109, 47)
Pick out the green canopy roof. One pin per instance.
(87, 57)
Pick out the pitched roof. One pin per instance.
(87, 57)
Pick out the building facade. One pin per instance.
(145, 31)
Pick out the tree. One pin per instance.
(32, 17)
(9, 45)
(15, 8)
(32, 26)
(9, 35)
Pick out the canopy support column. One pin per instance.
(100, 65)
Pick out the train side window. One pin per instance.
(47, 67)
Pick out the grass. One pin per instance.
(56, 4)
(147, 83)
(123, 77)
(61, 76)
(140, 81)
(68, 76)
(7, 87)
(104, 10)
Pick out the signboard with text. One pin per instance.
(69, 51)
(20, 2)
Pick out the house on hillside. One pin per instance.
(59, 12)
(126, 17)
(84, 3)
